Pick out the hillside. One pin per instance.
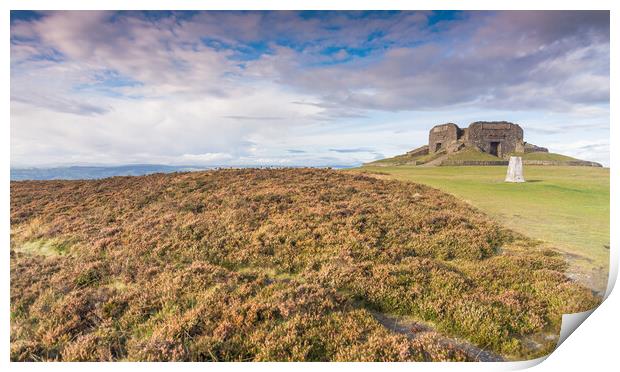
(413, 157)
(469, 154)
(473, 156)
(549, 158)
(290, 264)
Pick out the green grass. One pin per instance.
(472, 154)
(469, 154)
(567, 207)
(397, 160)
(546, 156)
(406, 159)
(429, 157)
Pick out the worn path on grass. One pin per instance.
(412, 329)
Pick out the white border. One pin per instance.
(593, 346)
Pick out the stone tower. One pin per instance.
(498, 138)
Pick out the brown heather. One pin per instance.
(260, 265)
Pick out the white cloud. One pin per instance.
(219, 87)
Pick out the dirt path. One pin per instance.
(582, 270)
(413, 329)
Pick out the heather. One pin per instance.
(272, 264)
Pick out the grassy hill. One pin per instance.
(473, 156)
(414, 157)
(404, 159)
(546, 156)
(291, 264)
(407, 159)
(465, 155)
(549, 158)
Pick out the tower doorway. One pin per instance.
(494, 148)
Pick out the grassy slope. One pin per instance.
(546, 156)
(565, 206)
(269, 265)
(468, 154)
(472, 154)
(406, 159)
(397, 160)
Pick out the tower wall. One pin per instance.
(441, 136)
(497, 137)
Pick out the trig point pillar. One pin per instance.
(515, 170)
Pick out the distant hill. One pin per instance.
(274, 265)
(473, 156)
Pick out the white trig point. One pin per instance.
(515, 170)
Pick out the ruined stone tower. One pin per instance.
(498, 138)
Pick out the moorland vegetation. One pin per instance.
(272, 264)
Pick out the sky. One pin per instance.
(226, 88)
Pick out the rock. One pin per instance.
(515, 170)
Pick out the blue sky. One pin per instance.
(298, 88)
